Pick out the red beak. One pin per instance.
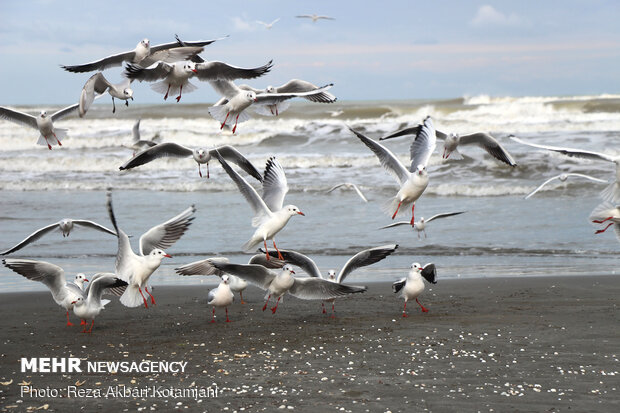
(73, 302)
(85, 279)
(194, 70)
(292, 272)
(167, 255)
(301, 213)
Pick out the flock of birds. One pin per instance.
(271, 269)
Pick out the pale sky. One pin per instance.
(402, 49)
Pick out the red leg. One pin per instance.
(152, 298)
(166, 96)
(424, 310)
(180, 93)
(227, 320)
(273, 309)
(601, 221)
(199, 173)
(604, 229)
(48, 143)
(333, 311)
(145, 304)
(225, 119)
(396, 212)
(280, 257)
(213, 318)
(265, 306)
(405, 310)
(82, 322)
(235, 127)
(412, 216)
(323, 307)
(69, 323)
(207, 170)
(92, 323)
(57, 140)
(241, 295)
(266, 252)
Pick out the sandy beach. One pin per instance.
(503, 344)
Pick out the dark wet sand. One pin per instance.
(529, 344)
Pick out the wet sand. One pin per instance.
(507, 344)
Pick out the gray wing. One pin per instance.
(171, 55)
(489, 144)
(261, 259)
(93, 225)
(273, 98)
(350, 185)
(123, 266)
(398, 285)
(256, 202)
(65, 112)
(413, 130)
(542, 185)
(254, 274)
(101, 64)
(223, 71)
(386, 157)
(116, 291)
(166, 234)
(97, 287)
(275, 185)
(18, 117)
(444, 215)
(179, 42)
(225, 88)
(299, 260)
(135, 131)
(577, 153)
(31, 238)
(49, 274)
(166, 149)
(364, 258)
(97, 83)
(297, 86)
(397, 224)
(423, 145)
(311, 288)
(253, 89)
(232, 155)
(150, 74)
(202, 267)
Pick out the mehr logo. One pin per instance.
(51, 365)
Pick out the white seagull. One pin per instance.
(89, 304)
(562, 178)
(63, 292)
(136, 269)
(453, 140)
(420, 226)
(221, 296)
(612, 192)
(413, 285)
(141, 144)
(145, 55)
(200, 155)
(176, 75)
(98, 84)
(278, 284)
(64, 226)
(361, 259)
(269, 214)
(606, 212)
(349, 185)
(268, 25)
(314, 17)
(414, 181)
(43, 123)
(237, 285)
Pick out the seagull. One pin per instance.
(612, 192)
(413, 285)
(136, 269)
(64, 225)
(314, 17)
(420, 225)
(237, 100)
(97, 83)
(268, 26)
(414, 181)
(205, 267)
(292, 86)
(361, 259)
(145, 55)
(221, 296)
(606, 212)
(349, 185)
(269, 214)
(200, 155)
(142, 144)
(562, 178)
(278, 284)
(175, 76)
(63, 292)
(43, 122)
(89, 304)
(453, 140)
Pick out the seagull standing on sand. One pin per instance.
(349, 185)
(414, 181)
(97, 83)
(612, 192)
(65, 226)
(64, 293)
(44, 123)
(606, 212)
(200, 155)
(89, 304)
(563, 178)
(269, 214)
(278, 284)
(361, 259)
(420, 226)
(221, 296)
(136, 269)
(413, 285)
(145, 55)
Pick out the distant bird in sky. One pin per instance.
(562, 178)
(268, 26)
(50, 135)
(314, 17)
(420, 226)
(145, 55)
(349, 185)
(413, 285)
(97, 83)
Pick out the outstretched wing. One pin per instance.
(49, 274)
(223, 71)
(275, 185)
(444, 215)
(254, 274)
(31, 238)
(386, 157)
(299, 260)
(312, 288)
(202, 267)
(166, 234)
(149, 74)
(423, 145)
(102, 64)
(20, 118)
(232, 155)
(577, 153)
(489, 144)
(364, 258)
(166, 149)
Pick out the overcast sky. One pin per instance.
(402, 49)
